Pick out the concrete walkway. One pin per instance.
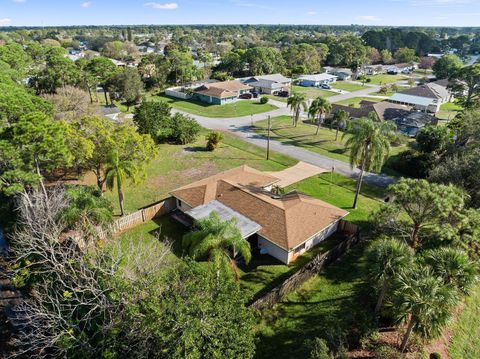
(242, 127)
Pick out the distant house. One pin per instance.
(281, 226)
(374, 69)
(211, 92)
(118, 63)
(427, 98)
(411, 124)
(268, 84)
(316, 80)
(403, 68)
(342, 74)
(384, 110)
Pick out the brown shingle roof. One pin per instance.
(421, 91)
(223, 89)
(287, 222)
(217, 92)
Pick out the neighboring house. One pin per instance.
(342, 74)
(428, 97)
(411, 124)
(281, 226)
(210, 91)
(118, 63)
(384, 110)
(268, 84)
(316, 80)
(373, 70)
(404, 68)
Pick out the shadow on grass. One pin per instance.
(331, 306)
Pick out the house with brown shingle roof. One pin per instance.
(281, 226)
(428, 97)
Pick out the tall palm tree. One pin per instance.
(386, 257)
(453, 266)
(296, 103)
(117, 172)
(319, 108)
(340, 119)
(424, 301)
(369, 144)
(219, 241)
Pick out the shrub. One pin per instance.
(387, 352)
(213, 140)
(383, 90)
(264, 100)
(320, 349)
(435, 356)
(184, 129)
(368, 80)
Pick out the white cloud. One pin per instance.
(5, 21)
(86, 4)
(162, 6)
(369, 18)
(311, 13)
(19, 1)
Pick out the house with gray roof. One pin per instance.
(428, 97)
(268, 84)
(316, 80)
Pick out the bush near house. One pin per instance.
(213, 140)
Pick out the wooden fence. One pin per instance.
(144, 215)
(306, 272)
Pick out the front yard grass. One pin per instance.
(383, 79)
(313, 92)
(355, 101)
(178, 165)
(448, 111)
(304, 136)
(347, 86)
(236, 109)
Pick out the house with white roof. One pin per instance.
(316, 80)
(427, 98)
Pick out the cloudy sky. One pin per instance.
(335, 12)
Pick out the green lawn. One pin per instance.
(390, 92)
(237, 109)
(178, 165)
(277, 98)
(448, 111)
(325, 306)
(304, 136)
(383, 79)
(466, 330)
(313, 92)
(347, 86)
(355, 101)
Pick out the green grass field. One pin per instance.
(177, 165)
(355, 101)
(466, 330)
(448, 111)
(326, 305)
(347, 86)
(313, 92)
(304, 136)
(383, 79)
(236, 109)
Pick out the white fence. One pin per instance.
(177, 93)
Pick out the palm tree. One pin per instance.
(386, 257)
(424, 301)
(319, 108)
(296, 103)
(340, 119)
(218, 240)
(369, 145)
(118, 171)
(453, 266)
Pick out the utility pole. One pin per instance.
(268, 139)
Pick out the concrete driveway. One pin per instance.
(297, 173)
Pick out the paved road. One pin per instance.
(242, 127)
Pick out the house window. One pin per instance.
(179, 203)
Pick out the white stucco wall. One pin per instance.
(273, 250)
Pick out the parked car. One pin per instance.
(246, 96)
(326, 86)
(283, 94)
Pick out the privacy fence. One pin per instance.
(310, 269)
(144, 215)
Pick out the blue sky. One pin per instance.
(335, 12)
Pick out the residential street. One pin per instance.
(241, 126)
